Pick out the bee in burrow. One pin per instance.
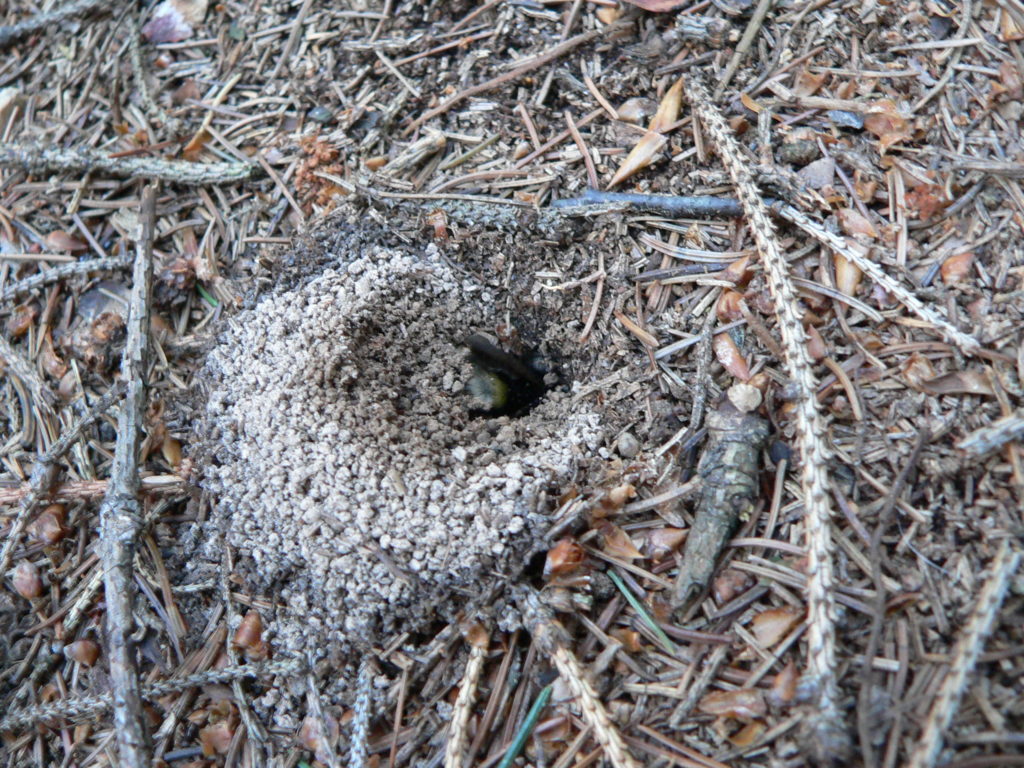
(504, 384)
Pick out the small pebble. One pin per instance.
(321, 114)
(627, 445)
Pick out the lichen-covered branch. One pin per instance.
(39, 160)
(120, 514)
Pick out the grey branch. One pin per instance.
(42, 160)
(89, 706)
(59, 273)
(43, 21)
(120, 513)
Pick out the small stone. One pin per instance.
(321, 114)
(627, 445)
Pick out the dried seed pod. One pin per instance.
(729, 355)
(48, 528)
(82, 651)
(27, 581)
(956, 268)
(848, 275)
(565, 557)
(21, 319)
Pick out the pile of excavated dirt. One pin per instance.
(347, 469)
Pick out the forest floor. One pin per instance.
(867, 606)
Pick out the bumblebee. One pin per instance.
(502, 383)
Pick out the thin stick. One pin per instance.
(120, 513)
(38, 160)
(965, 656)
(43, 21)
(830, 737)
(554, 53)
(753, 27)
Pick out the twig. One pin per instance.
(552, 638)
(41, 159)
(90, 706)
(43, 21)
(680, 207)
(59, 273)
(44, 472)
(667, 205)
(293, 38)
(965, 656)
(120, 514)
(753, 27)
(535, 63)
(830, 738)
(458, 734)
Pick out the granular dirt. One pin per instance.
(347, 469)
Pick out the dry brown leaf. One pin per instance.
(651, 143)
(745, 704)
(641, 156)
(195, 146)
(728, 354)
(662, 542)
(853, 223)
(728, 307)
(807, 83)
(884, 120)
(617, 542)
(729, 584)
(973, 382)
(748, 734)
(60, 241)
(816, 345)
(173, 20)
(848, 275)
(772, 625)
(783, 689)
(924, 201)
(629, 638)
(738, 271)
(916, 370)
(957, 267)
(668, 109)
(562, 558)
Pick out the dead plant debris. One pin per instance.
(346, 193)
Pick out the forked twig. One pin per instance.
(965, 656)
(831, 739)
